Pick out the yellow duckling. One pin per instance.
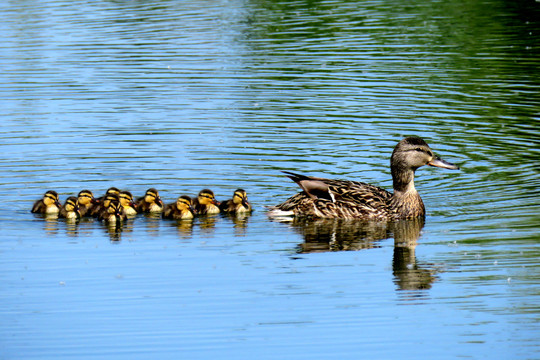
(70, 211)
(113, 213)
(150, 202)
(86, 202)
(126, 200)
(238, 204)
(206, 203)
(110, 191)
(182, 209)
(48, 205)
(103, 204)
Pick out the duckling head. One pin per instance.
(109, 198)
(240, 197)
(115, 208)
(152, 196)
(112, 191)
(206, 197)
(184, 203)
(86, 197)
(126, 199)
(51, 198)
(71, 204)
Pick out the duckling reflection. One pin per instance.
(338, 235)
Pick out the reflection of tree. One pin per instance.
(338, 235)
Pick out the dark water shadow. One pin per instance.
(326, 235)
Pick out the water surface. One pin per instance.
(184, 95)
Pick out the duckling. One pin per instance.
(206, 203)
(48, 205)
(86, 202)
(182, 209)
(126, 200)
(103, 204)
(113, 213)
(70, 210)
(327, 198)
(110, 191)
(150, 202)
(238, 204)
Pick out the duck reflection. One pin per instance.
(408, 275)
(342, 235)
(184, 227)
(336, 235)
(114, 230)
(240, 221)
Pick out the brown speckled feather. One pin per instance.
(351, 200)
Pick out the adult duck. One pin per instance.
(343, 199)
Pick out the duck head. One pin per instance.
(184, 203)
(240, 197)
(152, 196)
(410, 154)
(206, 197)
(85, 198)
(51, 198)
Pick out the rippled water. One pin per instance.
(183, 95)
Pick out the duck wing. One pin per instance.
(328, 198)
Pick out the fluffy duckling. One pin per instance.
(86, 202)
(126, 200)
(103, 204)
(110, 191)
(113, 213)
(206, 203)
(182, 209)
(238, 204)
(70, 210)
(48, 205)
(150, 202)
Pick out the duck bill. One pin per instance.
(438, 162)
(215, 202)
(193, 210)
(94, 201)
(245, 203)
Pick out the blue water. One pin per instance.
(184, 95)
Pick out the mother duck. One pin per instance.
(343, 199)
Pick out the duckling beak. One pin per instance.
(57, 203)
(245, 202)
(215, 202)
(192, 209)
(159, 202)
(94, 201)
(438, 162)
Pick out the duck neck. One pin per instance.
(406, 201)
